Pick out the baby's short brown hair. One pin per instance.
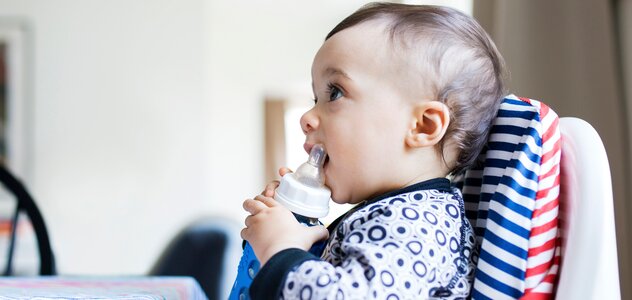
(462, 68)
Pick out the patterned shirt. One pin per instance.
(412, 243)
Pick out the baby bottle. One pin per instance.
(304, 194)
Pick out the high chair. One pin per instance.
(513, 201)
(589, 267)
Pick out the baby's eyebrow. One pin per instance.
(335, 71)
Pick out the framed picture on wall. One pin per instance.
(15, 151)
(14, 97)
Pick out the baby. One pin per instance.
(404, 98)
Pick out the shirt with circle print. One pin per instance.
(412, 243)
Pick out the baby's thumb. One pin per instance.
(284, 170)
(318, 233)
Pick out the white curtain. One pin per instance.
(575, 56)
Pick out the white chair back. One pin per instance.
(589, 267)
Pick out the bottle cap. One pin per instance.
(304, 192)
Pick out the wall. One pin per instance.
(566, 54)
(624, 11)
(117, 117)
(146, 115)
(256, 49)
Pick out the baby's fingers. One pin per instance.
(248, 221)
(245, 234)
(270, 188)
(284, 170)
(268, 201)
(319, 233)
(253, 206)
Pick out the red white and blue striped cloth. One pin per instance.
(512, 202)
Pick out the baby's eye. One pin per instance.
(334, 93)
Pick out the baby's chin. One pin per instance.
(343, 199)
(336, 197)
(335, 200)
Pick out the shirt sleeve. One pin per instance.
(359, 277)
(269, 280)
(397, 251)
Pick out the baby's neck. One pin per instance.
(423, 176)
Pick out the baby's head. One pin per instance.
(403, 94)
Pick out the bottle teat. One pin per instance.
(304, 191)
(310, 173)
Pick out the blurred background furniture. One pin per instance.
(207, 250)
(589, 268)
(203, 251)
(55, 287)
(26, 204)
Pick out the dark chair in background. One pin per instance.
(26, 204)
(206, 250)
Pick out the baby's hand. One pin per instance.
(268, 191)
(271, 228)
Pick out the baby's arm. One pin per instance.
(381, 254)
(364, 269)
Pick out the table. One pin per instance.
(81, 287)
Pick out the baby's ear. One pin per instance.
(428, 125)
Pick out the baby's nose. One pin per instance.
(309, 121)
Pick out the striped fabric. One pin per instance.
(512, 202)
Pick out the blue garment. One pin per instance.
(412, 243)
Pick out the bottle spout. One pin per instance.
(311, 172)
(317, 156)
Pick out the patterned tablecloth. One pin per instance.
(63, 287)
